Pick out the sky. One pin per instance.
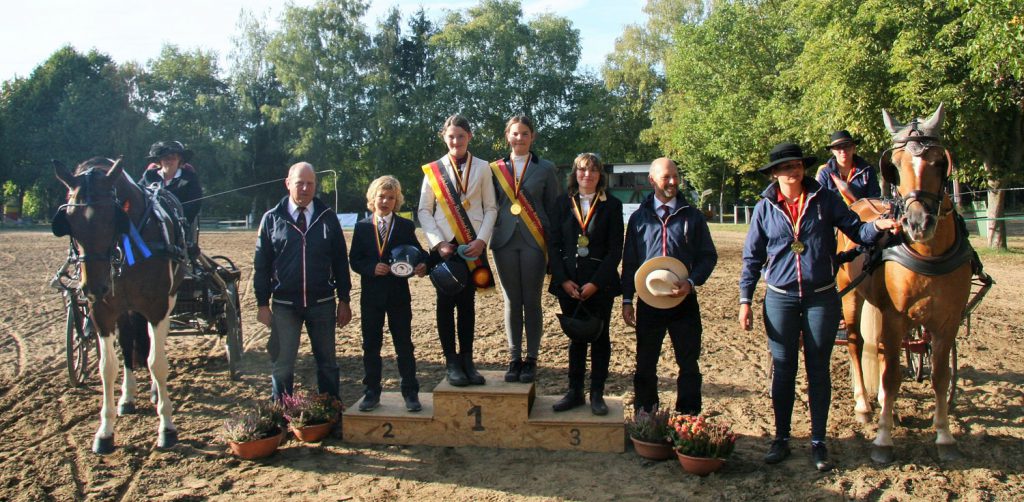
(135, 30)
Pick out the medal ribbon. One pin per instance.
(381, 244)
(796, 214)
(462, 179)
(578, 213)
(506, 180)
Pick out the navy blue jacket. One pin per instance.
(300, 269)
(771, 235)
(864, 183)
(689, 240)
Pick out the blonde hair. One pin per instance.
(386, 183)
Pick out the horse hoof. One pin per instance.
(949, 452)
(126, 409)
(167, 439)
(883, 454)
(103, 446)
(864, 417)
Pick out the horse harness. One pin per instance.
(160, 205)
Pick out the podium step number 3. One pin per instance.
(498, 414)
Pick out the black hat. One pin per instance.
(450, 277)
(581, 326)
(839, 138)
(164, 148)
(785, 152)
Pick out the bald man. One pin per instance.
(300, 274)
(666, 224)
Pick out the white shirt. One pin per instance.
(585, 202)
(520, 163)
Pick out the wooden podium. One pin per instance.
(498, 414)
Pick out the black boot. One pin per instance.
(474, 376)
(597, 404)
(572, 399)
(456, 376)
(515, 367)
(529, 372)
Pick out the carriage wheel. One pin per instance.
(79, 338)
(233, 330)
(917, 360)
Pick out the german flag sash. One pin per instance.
(451, 205)
(506, 178)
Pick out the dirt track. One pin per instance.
(48, 425)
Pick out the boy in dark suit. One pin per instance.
(384, 293)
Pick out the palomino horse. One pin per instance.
(104, 206)
(925, 280)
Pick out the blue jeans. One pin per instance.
(283, 346)
(785, 319)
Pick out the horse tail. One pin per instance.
(871, 333)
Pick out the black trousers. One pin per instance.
(600, 349)
(447, 305)
(397, 307)
(684, 329)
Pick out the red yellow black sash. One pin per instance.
(507, 180)
(451, 205)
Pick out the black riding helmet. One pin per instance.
(164, 148)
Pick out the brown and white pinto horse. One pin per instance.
(923, 281)
(102, 204)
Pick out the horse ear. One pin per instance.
(933, 126)
(891, 125)
(890, 174)
(62, 174)
(117, 169)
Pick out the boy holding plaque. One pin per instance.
(385, 288)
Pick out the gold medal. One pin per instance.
(582, 241)
(515, 208)
(583, 251)
(797, 247)
(466, 204)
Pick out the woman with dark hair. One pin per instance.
(457, 213)
(585, 247)
(793, 231)
(526, 188)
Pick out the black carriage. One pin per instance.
(207, 304)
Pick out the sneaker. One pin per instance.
(529, 370)
(778, 452)
(369, 403)
(515, 367)
(819, 454)
(412, 403)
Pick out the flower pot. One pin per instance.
(259, 448)
(312, 433)
(652, 451)
(701, 466)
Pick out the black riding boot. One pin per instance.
(572, 399)
(474, 376)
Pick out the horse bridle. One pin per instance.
(112, 254)
(917, 145)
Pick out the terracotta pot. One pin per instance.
(652, 451)
(701, 466)
(312, 433)
(259, 448)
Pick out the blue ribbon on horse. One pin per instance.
(139, 243)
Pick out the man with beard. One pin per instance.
(668, 251)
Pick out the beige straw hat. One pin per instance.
(656, 278)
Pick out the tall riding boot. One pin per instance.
(474, 376)
(456, 375)
(529, 372)
(597, 404)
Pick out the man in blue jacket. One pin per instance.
(301, 265)
(667, 225)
